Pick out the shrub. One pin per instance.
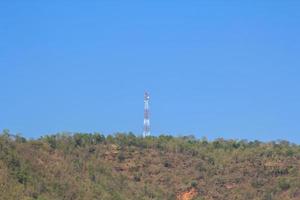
(121, 157)
(284, 184)
(194, 184)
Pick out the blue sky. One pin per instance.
(213, 68)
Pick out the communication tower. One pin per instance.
(146, 115)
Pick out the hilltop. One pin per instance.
(123, 166)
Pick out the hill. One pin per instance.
(122, 166)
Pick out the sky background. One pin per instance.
(213, 68)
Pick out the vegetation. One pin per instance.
(75, 166)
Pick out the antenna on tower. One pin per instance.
(146, 115)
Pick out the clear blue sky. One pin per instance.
(213, 68)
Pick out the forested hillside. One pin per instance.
(122, 166)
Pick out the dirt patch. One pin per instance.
(187, 195)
